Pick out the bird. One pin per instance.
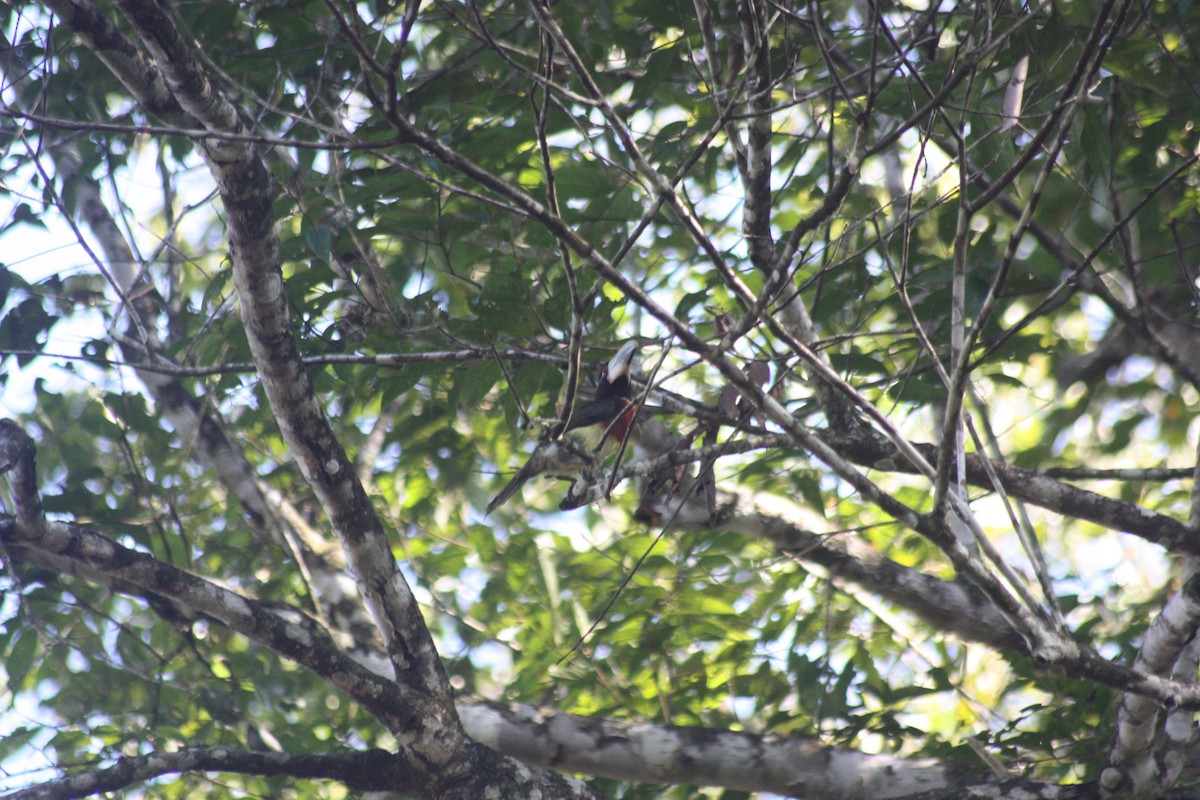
(595, 430)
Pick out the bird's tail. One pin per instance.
(510, 488)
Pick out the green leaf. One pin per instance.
(20, 659)
(471, 385)
(319, 240)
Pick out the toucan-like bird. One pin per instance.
(595, 430)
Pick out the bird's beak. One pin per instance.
(620, 364)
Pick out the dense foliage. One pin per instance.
(915, 289)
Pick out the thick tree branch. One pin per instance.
(1061, 652)
(1035, 488)
(193, 420)
(1136, 766)
(755, 168)
(371, 770)
(1132, 771)
(247, 192)
(786, 766)
(130, 66)
(952, 606)
(183, 73)
(79, 550)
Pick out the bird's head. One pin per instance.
(614, 379)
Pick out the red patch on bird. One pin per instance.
(619, 428)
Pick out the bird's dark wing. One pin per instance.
(597, 412)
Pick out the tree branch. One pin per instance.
(79, 550)
(247, 192)
(373, 770)
(953, 606)
(789, 766)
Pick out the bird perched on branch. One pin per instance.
(596, 429)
